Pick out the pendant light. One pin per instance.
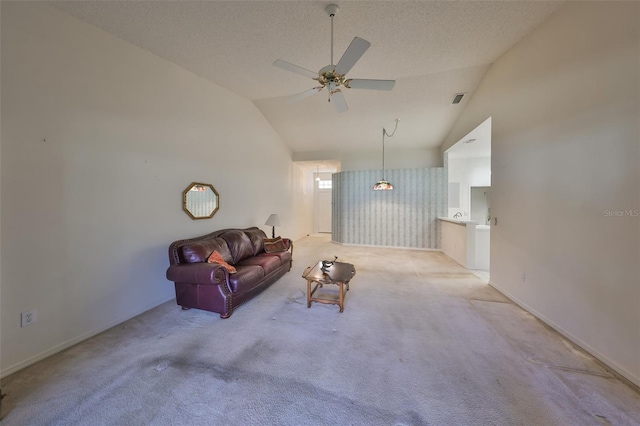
(383, 184)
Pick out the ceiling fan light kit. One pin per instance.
(333, 77)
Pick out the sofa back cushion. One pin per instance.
(257, 236)
(201, 250)
(239, 245)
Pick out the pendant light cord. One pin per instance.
(384, 133)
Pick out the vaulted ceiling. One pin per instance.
(432, 49)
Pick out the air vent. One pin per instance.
(458, 98)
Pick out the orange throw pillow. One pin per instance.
(216, 257)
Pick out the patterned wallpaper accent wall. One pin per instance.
(404, 217)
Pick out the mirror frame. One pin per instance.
(184, 200)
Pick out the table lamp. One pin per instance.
(273, 221)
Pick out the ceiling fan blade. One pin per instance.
(363, 83)
(294, 68)
(338, 100)
(355, 50)
(300, 96)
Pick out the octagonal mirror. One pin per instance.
(200, 200)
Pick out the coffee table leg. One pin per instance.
(308, 293)
(341, 297)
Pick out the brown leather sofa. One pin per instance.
(209, 286)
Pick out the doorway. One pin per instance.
(468, 164)
(480, 204)
(323, 202)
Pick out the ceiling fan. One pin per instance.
(333, 77)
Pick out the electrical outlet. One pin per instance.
(27, 318)
(522, 277)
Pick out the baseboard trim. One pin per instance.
(62, 346)
(385, 247)
(609, 363)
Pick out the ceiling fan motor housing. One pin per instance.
(328, 75)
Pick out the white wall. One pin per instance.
(564, 104)
(468, 172)
(99, 139)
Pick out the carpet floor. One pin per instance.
(422, 341)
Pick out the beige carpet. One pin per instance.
(421, 342)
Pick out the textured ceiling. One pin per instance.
(432, 49)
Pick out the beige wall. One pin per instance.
(394, 158)
(371, 159)
(565, 157)
(99, 139)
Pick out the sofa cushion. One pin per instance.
(268, 263)
(239, 245)
(199, 251)
(247, 277)
(284, 256)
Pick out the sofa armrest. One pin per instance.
(198, 273)
(288, 245)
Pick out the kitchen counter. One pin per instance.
(456, 221)
(466, 242)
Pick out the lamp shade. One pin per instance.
(273, 220)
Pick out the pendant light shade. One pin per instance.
(383, 184)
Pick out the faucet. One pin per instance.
(457, 215)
